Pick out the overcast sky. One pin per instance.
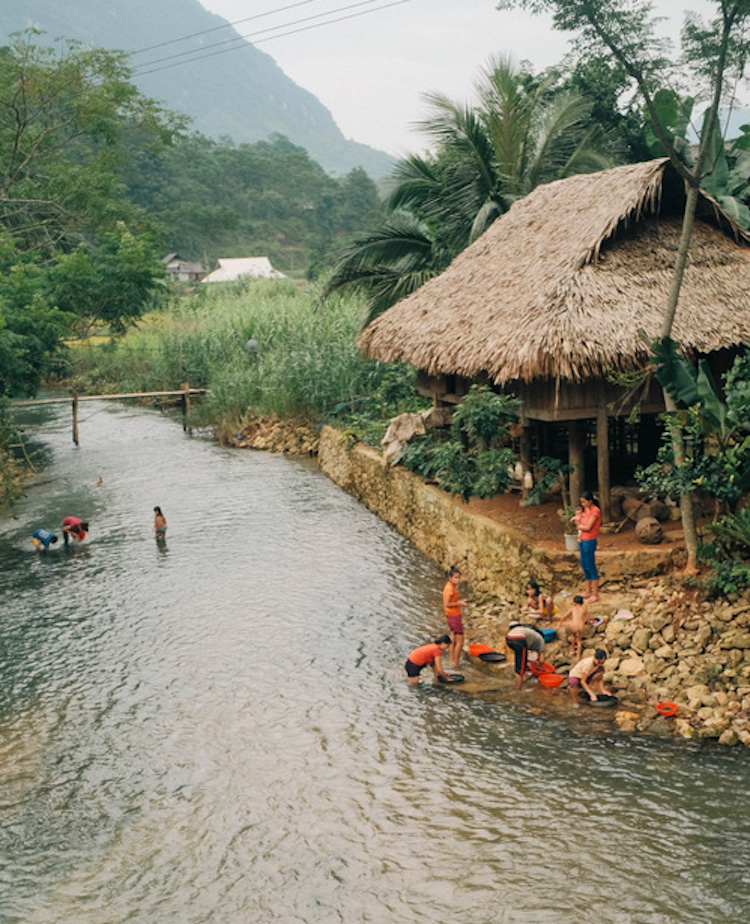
(371, 71)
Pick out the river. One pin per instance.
(218, 728)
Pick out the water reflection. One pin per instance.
(220, 730)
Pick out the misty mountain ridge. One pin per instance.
(241, 94)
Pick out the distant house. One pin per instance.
(184, 270)
(233, 268)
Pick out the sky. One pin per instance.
(372, 70)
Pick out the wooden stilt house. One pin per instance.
(565, 291)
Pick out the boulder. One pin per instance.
(735, 639)
(641, 638)
(627, 721)
(648, 530)
(631, 667)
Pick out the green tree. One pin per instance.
(30, 325)
(73, 246)
(69, 122)
(717, 52)
(523, 131)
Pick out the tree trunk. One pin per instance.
(678, 446)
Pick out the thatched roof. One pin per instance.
(562, 284)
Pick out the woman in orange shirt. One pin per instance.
(427, 654)
(452, 606)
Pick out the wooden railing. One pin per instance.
(184, 394)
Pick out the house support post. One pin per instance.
(575, 459)
(525, 447)
(602, 460)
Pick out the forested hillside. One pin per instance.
(210, 199)
(242, 95)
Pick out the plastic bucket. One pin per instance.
(548, 634)
(550, 680)
(476, 649)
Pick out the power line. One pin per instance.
(246, 44)
(237, 39)
(227, 25)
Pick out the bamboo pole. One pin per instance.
(75, 418)
(186, 406)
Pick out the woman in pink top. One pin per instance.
(73, 526)
(589, 524)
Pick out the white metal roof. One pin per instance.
(232, 268)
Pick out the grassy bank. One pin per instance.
(306, 365)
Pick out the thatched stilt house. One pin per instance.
(557, 295)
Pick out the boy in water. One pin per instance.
(160, 523)
(587, 674)
(427, 654)
(42, 539)
(452, 606)
(577, 616)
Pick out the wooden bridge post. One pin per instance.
(186, 406)
(75, 417)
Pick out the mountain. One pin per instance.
(241, 94)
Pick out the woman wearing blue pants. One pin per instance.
(589, 524)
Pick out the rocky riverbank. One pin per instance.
(677, 647)
(274, 434)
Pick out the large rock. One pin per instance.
(641, 638)
(631, 667)
(735, 639)
(648, 530)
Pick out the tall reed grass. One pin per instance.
(306, 364)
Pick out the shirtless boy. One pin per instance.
(577, 616)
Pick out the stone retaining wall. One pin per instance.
(497, 559)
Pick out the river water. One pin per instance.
(218, 728)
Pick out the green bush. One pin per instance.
(473, 458)
(307, 363)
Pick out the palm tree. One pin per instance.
(523, 132)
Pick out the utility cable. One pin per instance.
(242, 38)
(246, 44)
(227, 25)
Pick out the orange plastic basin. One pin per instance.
(667, 708)
(550, 680)
(477, 649)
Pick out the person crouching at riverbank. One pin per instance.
(74, 528)
(43, 539)
(588, 675)
(523, 640)
(428, 654)
(537, 605)
(452, 607)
